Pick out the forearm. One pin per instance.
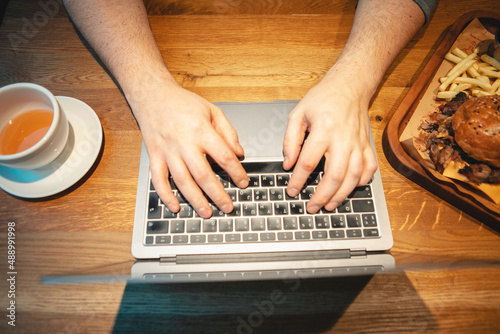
(119, 31)
(380, 31)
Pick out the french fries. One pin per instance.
(477, 75)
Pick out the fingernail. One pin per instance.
(244, 183)
(227, 208)
(173, 207)
(313, 209)
(293, 192)
(203, 212)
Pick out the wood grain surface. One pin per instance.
(244, 51)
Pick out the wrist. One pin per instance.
(352, 81)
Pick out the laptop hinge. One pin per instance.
(259, 257)
(168, 258)
(358, 252)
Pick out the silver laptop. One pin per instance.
(269, 234)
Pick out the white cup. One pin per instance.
(18, 98)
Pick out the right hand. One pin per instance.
(181, 130)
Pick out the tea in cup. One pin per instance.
(33, 128)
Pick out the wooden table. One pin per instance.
(246, 51)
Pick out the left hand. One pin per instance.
(336, 116)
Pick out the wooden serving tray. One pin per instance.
(410, 164)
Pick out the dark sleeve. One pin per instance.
(428, 7)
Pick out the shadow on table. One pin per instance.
(355, 303)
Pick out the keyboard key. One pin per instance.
(253, 181)
(236, 210)
(313, 179)
(216, 212)
(215, 238)
(302, 235)
(242, 224)
(345, 207)
(177, 226)
(155, 227)
(274, 223)
(290, 223)
(226, 225)
(209, 225)
(285, 235)
(249, 209)
(319, 234)
(369, 220)
(267, 180)
(162, 239)
(297, 208)
(361, 192)
(267, 237)
(290, 198)
(353, 221)
(276, 194)
(265, 209)
(245, 195)
(363, 205)
(180, 239)
(260, 194)
(306, 193)
(149, 240)
(282, 180)
(186, 211)
(337, 234)
(167, 214)
(198, 239)
(322, 221)
(354, 234)
(193, 226)
(233, 237)
(224, 179)
(258, 224)
(154, 209)
(232, 194)
(370, 232)
(338, 221)
(280, 208)
(306, 222)
(250, 237)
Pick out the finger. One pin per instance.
(294, 138)
(334, 174)
(225, 129)
(225, 158)
(189, 188)
(370, 166)
(312, 151)
(159, 177)
(351, 178)
(205, 178)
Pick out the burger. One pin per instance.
(464, 136)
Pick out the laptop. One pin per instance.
(268, 235)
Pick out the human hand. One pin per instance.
(181, 130)
(335, 115)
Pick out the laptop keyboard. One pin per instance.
(263, 212)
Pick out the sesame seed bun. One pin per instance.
(476, 126)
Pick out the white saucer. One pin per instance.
(80, 153)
